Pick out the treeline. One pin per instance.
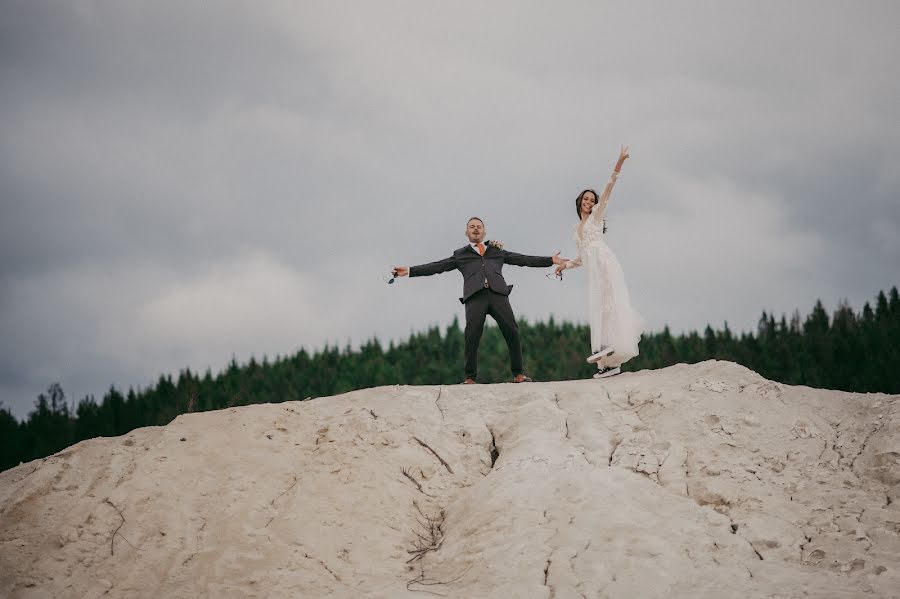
(847, 350)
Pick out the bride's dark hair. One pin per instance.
(596, 201)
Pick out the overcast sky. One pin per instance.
(181, 182)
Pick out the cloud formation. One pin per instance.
(180, 184)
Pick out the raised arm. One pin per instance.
(603, 200)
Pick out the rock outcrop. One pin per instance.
(700, 480)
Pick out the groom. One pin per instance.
(484, 292)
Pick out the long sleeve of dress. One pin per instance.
(603, 200)
(574, 263)
(595, 220)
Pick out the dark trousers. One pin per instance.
(478, 307)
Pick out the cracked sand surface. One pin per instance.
(700, 480)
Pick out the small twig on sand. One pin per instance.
(428, 447)
(112, 539)
(437, 402)
(293, 484)
(414, 481)
(433, 535)
(431, 582)
(429, 539)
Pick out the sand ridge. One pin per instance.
(701, 480)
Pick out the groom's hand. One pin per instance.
(557, 260)
(401, 271)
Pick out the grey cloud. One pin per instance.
(148, 151)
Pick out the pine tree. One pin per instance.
(848, 351)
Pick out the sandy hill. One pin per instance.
(700, 480)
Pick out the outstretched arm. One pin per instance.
(534, 261)
(424, 270)
(568, 264)
(603, 200)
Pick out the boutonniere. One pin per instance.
(495, 244)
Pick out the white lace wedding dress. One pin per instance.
(613, 321)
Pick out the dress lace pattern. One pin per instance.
(613, 321)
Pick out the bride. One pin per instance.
(615, 325)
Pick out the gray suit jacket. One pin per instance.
(478, 270)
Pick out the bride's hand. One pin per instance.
(623, 155)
